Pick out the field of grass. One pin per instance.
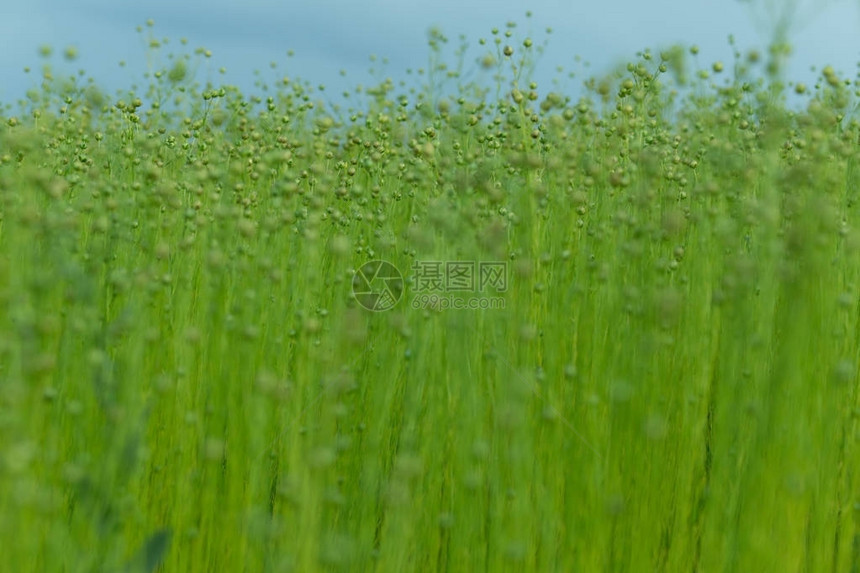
(666, 379)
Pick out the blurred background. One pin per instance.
(330, 37)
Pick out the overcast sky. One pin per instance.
(330, 35)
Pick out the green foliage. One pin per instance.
(668, 383)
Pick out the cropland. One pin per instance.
(451, 326)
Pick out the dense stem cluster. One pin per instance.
(667, 381)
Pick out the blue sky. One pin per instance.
(332, 35)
